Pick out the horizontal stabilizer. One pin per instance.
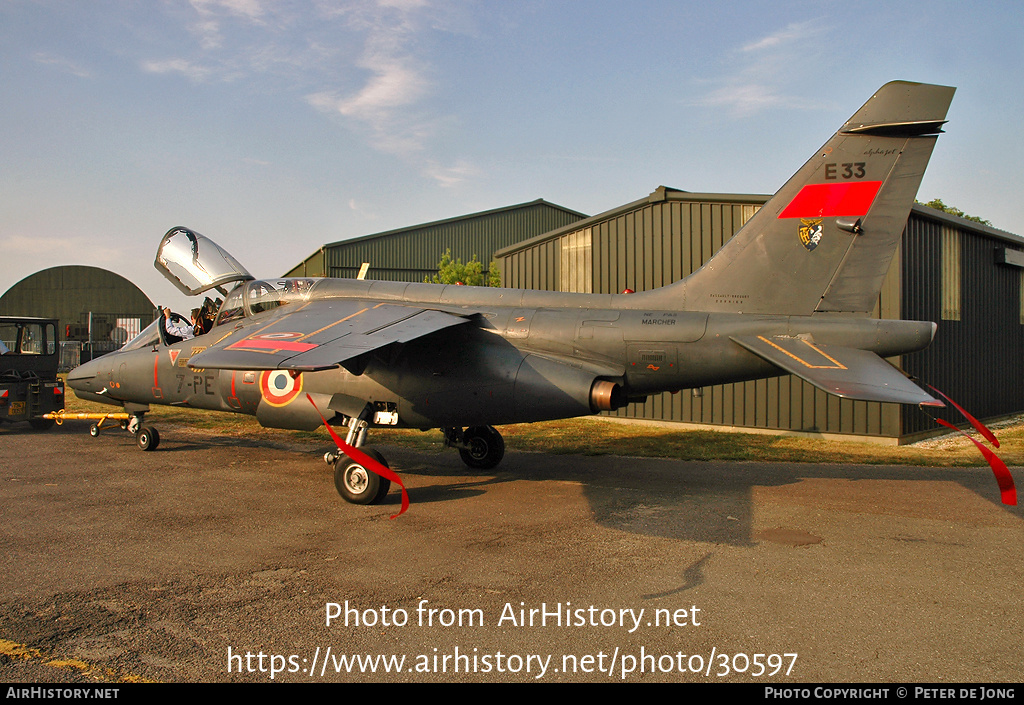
(846, 372)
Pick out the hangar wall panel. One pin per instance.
(979, 346)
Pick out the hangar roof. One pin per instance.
(456, 219)
(660, 194)
(666, 193)
(411, 252)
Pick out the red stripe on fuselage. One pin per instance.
(277, 344)
(853, 198)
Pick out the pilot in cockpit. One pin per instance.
(204, 316)
(176, 327)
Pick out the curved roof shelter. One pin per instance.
(77, 295)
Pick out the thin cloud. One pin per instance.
(192, 71)
(745, 100)
(762, 69)
(59, 62)
(384, 110)
(384, 106)
(361, 210)
(207, 28)
(252, 9)
(388, 107)
(29, 248)
(395, 84)
(794, 32)
(448, 176)
(364, 62)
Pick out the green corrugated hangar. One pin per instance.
(965, 276)
(411, 254)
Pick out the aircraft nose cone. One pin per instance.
(86, 378)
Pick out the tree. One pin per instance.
(493, 273)
(938, 205)
(453, 271)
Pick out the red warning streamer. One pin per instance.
(364, 460)
(978, 425)
(1004, 479)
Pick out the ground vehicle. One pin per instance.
(29, 355)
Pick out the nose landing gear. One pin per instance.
(147, 437)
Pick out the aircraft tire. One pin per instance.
(148, 438)
(41, 424)
(357, 484)
(485, 447)
(94, 431)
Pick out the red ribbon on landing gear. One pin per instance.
(365, 460)
(1007, 490)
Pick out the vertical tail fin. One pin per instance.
(825, 240)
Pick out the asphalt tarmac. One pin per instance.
(219, 559)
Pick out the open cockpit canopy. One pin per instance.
(194, 263)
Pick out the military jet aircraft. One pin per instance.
(791, 292)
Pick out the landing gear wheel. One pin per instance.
(94, 431)
(484, 447)
(358, 485)
(40, 424)
(147, 438)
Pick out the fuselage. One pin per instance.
(524, 355)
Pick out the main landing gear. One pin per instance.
(355, 482)
(480, 447)
(147, 437)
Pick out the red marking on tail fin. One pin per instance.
(847, 198)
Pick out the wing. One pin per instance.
(320, 334)
(845, 372)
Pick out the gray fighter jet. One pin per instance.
(791, 292)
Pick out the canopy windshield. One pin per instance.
(195, 263)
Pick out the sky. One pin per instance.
(274, 127)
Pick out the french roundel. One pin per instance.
(278, 387)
